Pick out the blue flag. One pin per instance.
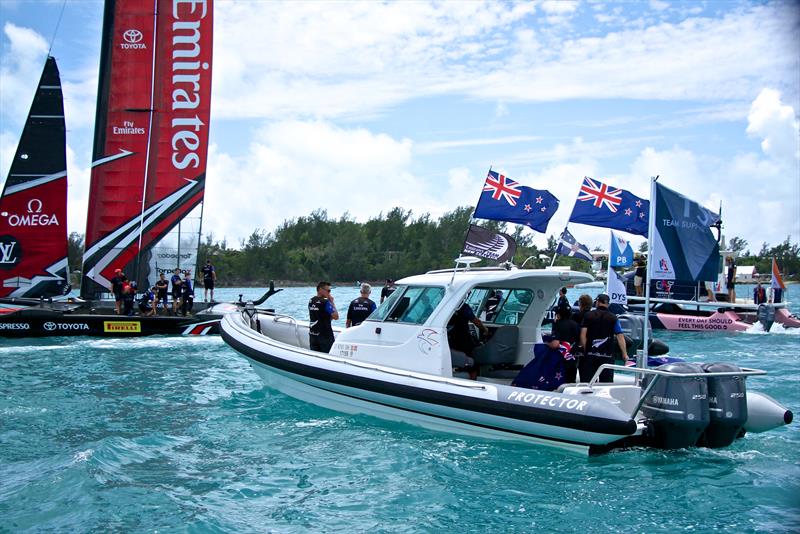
(683, 247)
(504, 199)
(621, 254)
(569, 246)
(599, 204)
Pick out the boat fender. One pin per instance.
(677, 407)
(727, 405)
(765, 413)
(766, 315)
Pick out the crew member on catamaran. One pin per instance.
(161, 293)
(117, 282)
(209, 278)
(176, 290)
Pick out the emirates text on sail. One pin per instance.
(186, 80)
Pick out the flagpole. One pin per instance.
(480, 194)
(552, 261)
(608, 269)
(651, 228)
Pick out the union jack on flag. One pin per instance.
(600, 194)
(502, 187)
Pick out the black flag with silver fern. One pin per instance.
(490, 245)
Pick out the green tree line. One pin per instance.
(786, 254)
(392, 245)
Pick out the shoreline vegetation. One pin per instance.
(398, 244)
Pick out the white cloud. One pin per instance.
(758, 201)
(296, 167)
(318, 60)
(776, 124)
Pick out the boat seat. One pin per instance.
(501, 347)
(459, 359)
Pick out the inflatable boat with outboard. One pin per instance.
(398, 365)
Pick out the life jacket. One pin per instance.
(599, 326)
(320, 319)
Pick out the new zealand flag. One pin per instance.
(599, 204)
(503, 199)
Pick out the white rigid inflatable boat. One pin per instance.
(397, 365)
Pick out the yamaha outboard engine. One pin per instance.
(727, 405)
(677, 407)
(766, 315)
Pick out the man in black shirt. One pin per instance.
(387, 290)
(321, 310)
(117, 282)
(361, 307)
(209, 279)
(639, 277)
(599, 329)
(175, 280)
(563, 302)
(731, 280)
(161, 292)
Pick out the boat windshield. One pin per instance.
(409, 304)
(499, 305)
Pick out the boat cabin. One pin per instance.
(413, 329)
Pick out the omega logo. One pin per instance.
(132, 36)
(34, 205)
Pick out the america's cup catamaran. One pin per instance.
(147, 179)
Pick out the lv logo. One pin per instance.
(6, 252)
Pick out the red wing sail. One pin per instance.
(151, 136)
(179, 140)
(33, 208)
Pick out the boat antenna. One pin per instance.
(58, 24)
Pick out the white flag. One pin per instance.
(616, 289)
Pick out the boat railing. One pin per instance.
(278, 316)
(658, 374)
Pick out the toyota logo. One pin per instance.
(132, 36)
(49, 325)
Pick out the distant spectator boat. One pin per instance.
(684, 307)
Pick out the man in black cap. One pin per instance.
(598, 330)
(388, 289)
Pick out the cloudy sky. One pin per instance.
(361, 107)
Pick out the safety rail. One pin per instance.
(745, 371)
(292, 320)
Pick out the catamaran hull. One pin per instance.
(48, 323)
(452, 405)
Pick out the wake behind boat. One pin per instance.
(398, 365)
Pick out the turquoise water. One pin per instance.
(178, 435)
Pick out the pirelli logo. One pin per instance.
(122, 326)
